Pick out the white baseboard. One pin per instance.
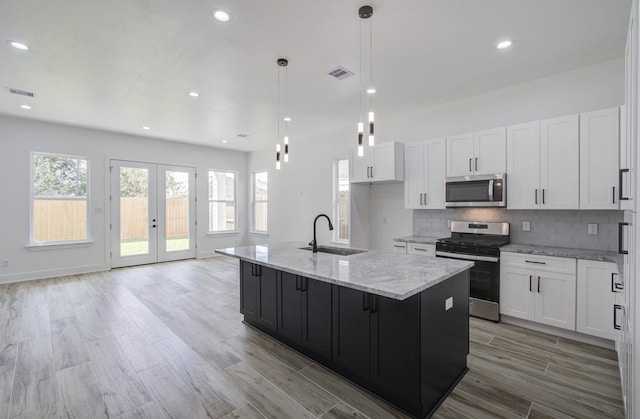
(568, 334)
(51, 273)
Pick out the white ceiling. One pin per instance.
(121, 64)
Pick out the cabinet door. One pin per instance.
(516, 292)
(595, 298)
(460, 155)
(523, 166)
(434, 173)
(248, 291)
(599, 142)
(490, 148)
(290, 306)
(555, 299)
(360, 166)
(351, 330)
(387, 162)
(395, 345)
(559, 163)
(267, 298)
(316, 316)
(414, 187)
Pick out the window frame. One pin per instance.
(336, 200)
(254, 201)
(235, 203)
(32, 242)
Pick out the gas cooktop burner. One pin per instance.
(475, 240)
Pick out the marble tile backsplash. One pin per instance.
(562, 228)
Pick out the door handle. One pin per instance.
(616, 307)
(420, 199)
(538, 284)
(613, 195)
(371, 171)
(543, 200)
(374, 303)
(365, 301)
(470, 166)
(298, 286)
(530, 279)
(476, 164)
(621, 196)
(616, 286)
(304, 284)
(621, 227)
(536, 195)
(425, 199)
(536, 262)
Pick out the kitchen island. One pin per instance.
(394, 324)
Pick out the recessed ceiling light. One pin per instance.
(221, 15)
(25, 106)
(371, 90)
(194, 94)
(287, 118)
(146, 128)
(504, 44)
(225, 141)
(18, 45)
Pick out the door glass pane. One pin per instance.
(177, 209)
(134, 211)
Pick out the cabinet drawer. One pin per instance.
(399, 247)
(421, 249)
(539, 263)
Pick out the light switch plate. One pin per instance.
(592, 228)
(526, 226)
(448, 303)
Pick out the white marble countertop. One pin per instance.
(387, 274)
(417, 239)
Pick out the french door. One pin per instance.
(153, 213)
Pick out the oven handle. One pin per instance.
(491, 190)
(467, 257)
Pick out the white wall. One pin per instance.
(18, 137)
(302, 188)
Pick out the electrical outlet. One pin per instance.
(592, 228)
(526, 226)
(4, 263)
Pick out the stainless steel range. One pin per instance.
(478, 242)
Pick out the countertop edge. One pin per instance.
(351, 285)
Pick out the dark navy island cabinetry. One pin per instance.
(397, 325)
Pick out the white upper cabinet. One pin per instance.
(381, 163)
(543, 164)
(523, 166)
(424, 174)
(477, 153)
(559, 163)
(599, 164)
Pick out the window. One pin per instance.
(341, 200)
(59, 198)
(222, 201)
(260, 182)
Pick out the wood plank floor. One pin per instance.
(167, 341)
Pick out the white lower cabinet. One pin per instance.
(421, 249)
(596, 289)
(399, 247)
(539, 288)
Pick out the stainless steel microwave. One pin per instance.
(476, 191)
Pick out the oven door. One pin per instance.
(484, 284)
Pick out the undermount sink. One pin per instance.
(342, 251)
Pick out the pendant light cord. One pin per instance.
(278, 138)
(371, 59)
(360, 89)
(286, 99)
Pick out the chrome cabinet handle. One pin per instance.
(543, 200)
(621, 227)
(535, 261)
(613, 195)
(476, 164)
(538, 284)
(536, 195)
(470, 166)
(616, 286)
(530, 279)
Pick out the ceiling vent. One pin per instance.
(340, 73)
(20, 92)
(243, 135)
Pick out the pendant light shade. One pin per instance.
(365, 13)
(283, 63)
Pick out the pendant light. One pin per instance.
(283, 63)
(365, 13)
